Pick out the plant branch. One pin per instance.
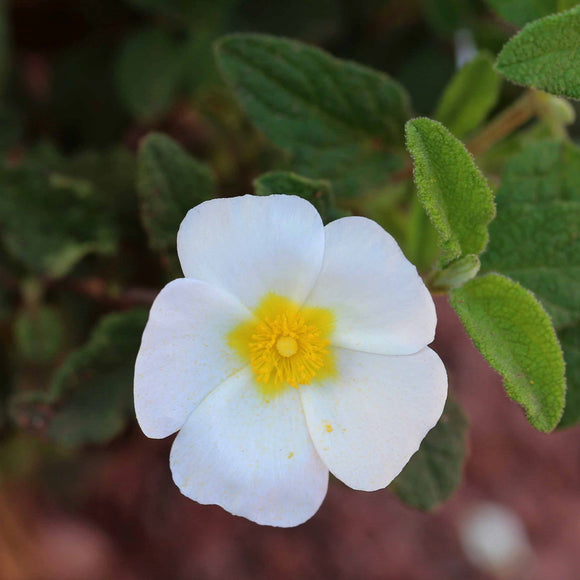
(500, 127)
(504, 124)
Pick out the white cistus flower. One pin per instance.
(289, 350)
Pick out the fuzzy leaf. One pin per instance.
(470, 96)
(340, 121)
(435, 471)
(170, 182)
(91, 394)
(317, 191)
(50, 221)
(536, 236)
(148, 71)
(544, 55)
(452, 190)
(515, 335)
(520, 12)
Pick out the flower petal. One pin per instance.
(251, 245)
(367, 423)
(253, 457)
(184, 353)
(380, 302)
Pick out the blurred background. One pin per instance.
(83, 494)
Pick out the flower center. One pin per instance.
(286, 345)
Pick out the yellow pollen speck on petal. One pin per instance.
(286, 345)
(328, 428)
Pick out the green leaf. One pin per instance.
(317, 191)
(536, 236)
(470, 96)
(50, 221)
(453, 191)
(111, 171)
(435, 471)
(39, 334)
(91, 395)
(148, 72)
(544, 55)
(520, 12)
(515, 335)
(446, 16)
(340, 121)
(170, 182)
(535, 240)
(570, 341)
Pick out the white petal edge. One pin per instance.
(184, 353)
(380, 302)
(367, 423)
(250, 245)
(252, 457)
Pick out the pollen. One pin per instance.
(286, 345)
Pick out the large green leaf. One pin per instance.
(570, 341)
(317, 191)
(435, 471)
(470, 96)
(544, 55)
(453, 191)
(521, 12)
(340, 121)
(91, 395)
(148, 72)
(535, 238)
(50, 221)
(170, 182)
(515, 335)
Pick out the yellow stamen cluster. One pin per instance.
(285, 344)
(287, 350)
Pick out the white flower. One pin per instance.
(289, 350)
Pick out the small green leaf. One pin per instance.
(50, 220)
(148, 72)
(470, 96)
(544, 55)
(452, 190)
(515, 335)
(435, 471)
(339, 120)
(317, 191)
(170, 182)
(91, 394)
(520, 12)
(536, 236)
(39, 334)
